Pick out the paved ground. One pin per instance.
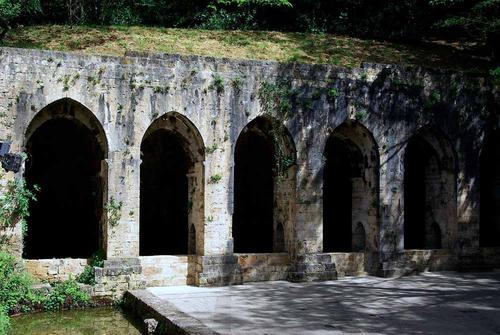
(432, 303)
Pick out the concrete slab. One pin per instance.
(431, 303)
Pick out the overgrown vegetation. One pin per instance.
(114, 210)
(17, 295)
(88, 274)
(15, 197)
(261, 45)
(4, 321)
(275, 100)
(474, 21)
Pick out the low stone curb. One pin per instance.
(171, 321)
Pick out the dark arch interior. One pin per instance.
(164, 195)
(490, 192)
(253, 193)
(64, 160)
(343, 162)
(421, 162)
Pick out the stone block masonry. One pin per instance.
(332, 190)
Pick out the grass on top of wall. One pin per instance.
(260, 45)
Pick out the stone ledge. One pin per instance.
(147, 306)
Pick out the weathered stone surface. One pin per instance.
(377, 107)
(52, 270)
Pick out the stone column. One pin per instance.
(122, 231)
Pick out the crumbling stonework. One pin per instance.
(375, 110)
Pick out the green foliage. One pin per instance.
(217, 84)
(66, 294)
(14, 203)
(479, 20)
(433, 100)
(215, 179)
(15, 284)
(235, 14)
(4, 321)
(495, 75)
(212, 149)
(275, 98)
(114, 209)
(333, 93)
(17, 296)
(237, 83)
(13, 10)
(88, 274)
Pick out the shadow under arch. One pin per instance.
(67, 149)
(172, 187)
(430, 204)
(489, 220)
(351, 189)
(264, 187)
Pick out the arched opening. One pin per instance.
(253, 193)
(429, 191)
(350, 189)
(66, 148)
(264, 179)
(171, 203)
(490, 192)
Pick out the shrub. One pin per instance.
(495, 75)
(4, 321)
(15, 285)
(88, 274)
(66, 294)
(14, 203)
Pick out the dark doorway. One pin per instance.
(64, 160)
(253, 193)
(164, 195)
(422, 178)
(490, 192)
(343, 163)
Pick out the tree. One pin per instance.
(13, 10)
(476, 20)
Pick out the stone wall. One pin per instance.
(165, 270)
(53, 270)
(213, 100)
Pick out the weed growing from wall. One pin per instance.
(114, 210)
(217, 84)
(275, 100)
(15, 197)
(215, 179)
(88, 274)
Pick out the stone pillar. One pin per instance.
(122, 233)
(215, 264)
(308, 260)
(391, 205)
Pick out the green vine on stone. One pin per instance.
(114, 210)
(14, 203)
(275, 100)
(217, 84)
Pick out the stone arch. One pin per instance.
(264, 187)
(350, 188)
(172, 187)
(67, 149)
(489, 226)
(429, 191)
